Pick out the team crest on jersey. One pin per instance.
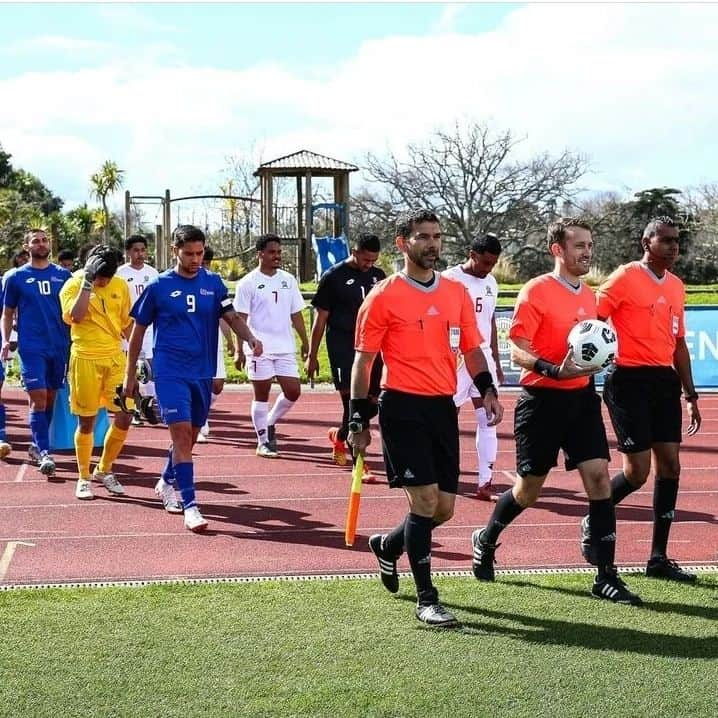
(57, 279)
(489, 293)
(176, 293)
(284, 285)
(147, 277)
(206, 292)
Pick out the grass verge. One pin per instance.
(529, 646)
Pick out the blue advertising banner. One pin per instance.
(701, 338)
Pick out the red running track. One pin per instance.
(285, 516)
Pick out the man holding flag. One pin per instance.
(418, 320)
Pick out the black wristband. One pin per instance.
(546, 368)
(691, 397)
(359, 414)
(484, 382)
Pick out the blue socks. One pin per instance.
(40, 430)
(168, 473)
(184, 474)
(2, 422)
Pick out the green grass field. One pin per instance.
(530, 646)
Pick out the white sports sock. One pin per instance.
(281, 406)
(259, 412)
(213, 398)
(487, 444)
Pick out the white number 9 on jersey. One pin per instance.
(190, 303)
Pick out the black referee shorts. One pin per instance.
(644, 404)
(547, 420)
(420, 438)
(341, 359)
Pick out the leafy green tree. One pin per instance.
(106, 181)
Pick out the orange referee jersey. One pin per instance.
(546, 310)
(647, 313)
(418, 332)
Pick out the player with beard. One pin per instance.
(184, 304)
(558, 408)
(645, 302)
(418, 320)
(33, 292)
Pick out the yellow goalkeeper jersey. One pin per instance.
(99, 334)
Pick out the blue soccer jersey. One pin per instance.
(35, 293)
(185, 314)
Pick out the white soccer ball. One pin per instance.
(594, 344)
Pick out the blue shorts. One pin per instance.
(42, 370)
(184, 400)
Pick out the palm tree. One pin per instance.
(105, 182)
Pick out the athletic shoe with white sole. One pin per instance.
(109, 482)
(265, 451)
(612, 588)
(205, 429)
(201, 438)
(169, 498)
(5, 449)
(193, 520)
(83, 489)
(435, 615)
(482, 562)
(46, 464)
(387, 566)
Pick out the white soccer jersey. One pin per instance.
(137, 280)
(269, 303)
(484, 294)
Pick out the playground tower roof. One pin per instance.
(303, 161)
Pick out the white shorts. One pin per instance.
(465, 388)
(146, 351)
(221, 371)
(268, 366)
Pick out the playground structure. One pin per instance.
(313, 234)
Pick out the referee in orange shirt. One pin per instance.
(646, 302)
(558, 408)
(418, 320)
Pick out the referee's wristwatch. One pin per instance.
(356, 427)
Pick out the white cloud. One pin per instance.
(631, 85)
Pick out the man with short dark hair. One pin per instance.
(341, 291)
(138, 274)
(418, 320)
(66, 259)
(184, 305)
(96, 305)
(558, 408)
(268, 298)
(645, 302)
(475, 275)
(32, 292)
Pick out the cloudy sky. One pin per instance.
(168, 91)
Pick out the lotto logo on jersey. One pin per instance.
(176, 293)
(350, 282)
(260, 286)
(29, 280)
